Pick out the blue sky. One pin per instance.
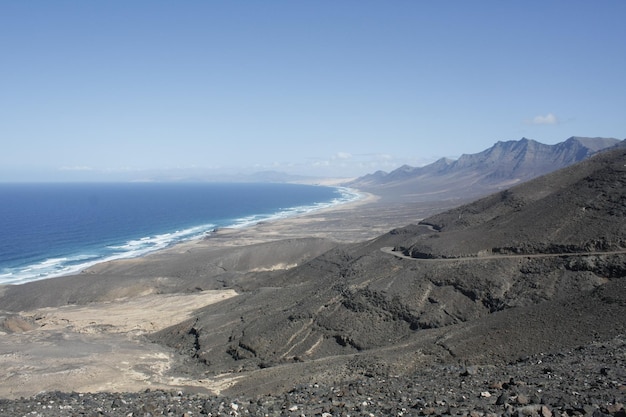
(127, 89)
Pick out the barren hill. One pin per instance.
(472, 175)
(537, 268)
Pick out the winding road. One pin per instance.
(389, 250)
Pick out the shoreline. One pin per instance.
(350, 198)
(301, 225)
(261, 232)
(352, 221)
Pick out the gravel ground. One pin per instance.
(587, 381)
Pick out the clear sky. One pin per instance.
(123, 89)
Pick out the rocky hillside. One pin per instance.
(510, 306)
(535, 269)
(501, 166)
(579, 209)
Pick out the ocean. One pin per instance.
(49, 230)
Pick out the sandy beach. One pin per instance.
(86, 333)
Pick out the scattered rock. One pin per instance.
(433, 391)
(502, 399)
(470, 371)
(545, 411)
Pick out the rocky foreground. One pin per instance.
(589, 380)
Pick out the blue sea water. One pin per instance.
(48, 230)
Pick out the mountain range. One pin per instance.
(501, 166)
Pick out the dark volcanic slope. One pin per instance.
(359, 310)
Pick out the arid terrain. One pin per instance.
(510, 305)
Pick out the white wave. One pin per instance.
(348, 195)
(55, 267)
(49, 263)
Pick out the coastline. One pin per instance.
(325, 223)
(71, 263)
(45, 321)
(313, 224)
